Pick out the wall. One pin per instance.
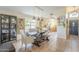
(71, 8)
(61, 32)
(61, 27)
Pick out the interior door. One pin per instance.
(73, 27)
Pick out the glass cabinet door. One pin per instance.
(0, 29)
(5, 29)
(12, 28)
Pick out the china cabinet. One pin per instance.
(7, 28)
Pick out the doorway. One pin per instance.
(73, 27)
(72, 41)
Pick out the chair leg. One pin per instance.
(25, 47)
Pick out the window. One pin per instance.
(30, 25)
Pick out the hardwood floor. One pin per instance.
(72, 45)
(60, 45)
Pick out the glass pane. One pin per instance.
(33, 27)
(33, 21)
(13, 20)
(33, 24)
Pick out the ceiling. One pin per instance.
(44, 11)
(57, 10)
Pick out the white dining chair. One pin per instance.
(27, 41)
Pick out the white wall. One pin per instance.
(61, 32)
